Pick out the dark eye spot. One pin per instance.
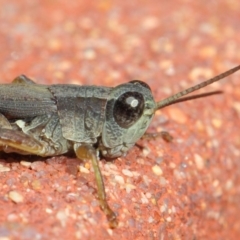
(128, 109)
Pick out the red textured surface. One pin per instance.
(194, 192)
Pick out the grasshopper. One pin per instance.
(49, 120)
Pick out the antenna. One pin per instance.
(174, 98)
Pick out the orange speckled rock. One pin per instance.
(184, 189)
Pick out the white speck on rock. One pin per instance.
(199, 161)
(15, 196)
(157, 170)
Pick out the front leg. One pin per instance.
(88, 152)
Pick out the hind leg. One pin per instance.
(22, 79)
(15, 141)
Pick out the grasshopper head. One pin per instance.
(130, 109)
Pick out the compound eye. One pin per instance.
(128, 109)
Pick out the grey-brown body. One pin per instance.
(59, 117)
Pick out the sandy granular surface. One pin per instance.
(185, 189)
